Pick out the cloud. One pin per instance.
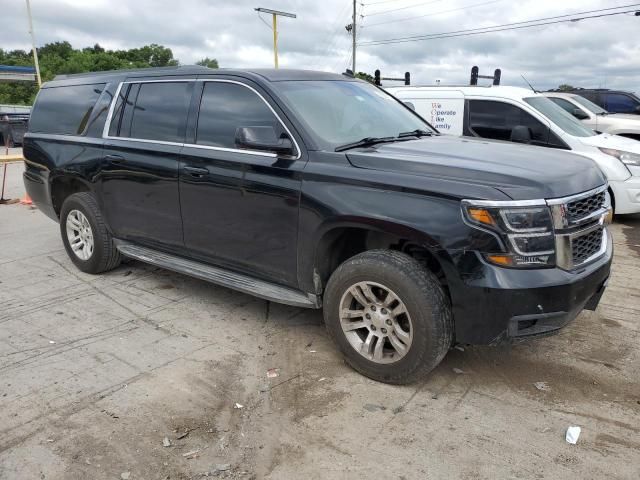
(600, 52)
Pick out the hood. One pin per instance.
(605, 140)
(522, 172)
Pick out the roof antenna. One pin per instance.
(531, 87)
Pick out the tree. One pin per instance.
(565, 88)
(365, 76)
(208, 62)
(61, 57)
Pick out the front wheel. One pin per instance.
(388, 315)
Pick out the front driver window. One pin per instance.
(496, 120)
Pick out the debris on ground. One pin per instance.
(125, 475)
(182, 435)
(572, 435)
(322, 379)
(458, 371)
(166, 442)
(371, 407)
(238, 406)
(273, 373)
(313, 351)
(51, 342)
(459, 347)
(544, 386)
(191, 454)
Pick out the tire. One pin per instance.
(104, 255)
(427, 325)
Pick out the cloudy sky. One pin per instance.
(601, 52)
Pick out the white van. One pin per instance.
(520, 115)
(595, 117)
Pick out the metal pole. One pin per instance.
(33, 43)
(275, 40)
(353, 33)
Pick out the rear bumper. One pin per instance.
(36, 184)
(498, 305)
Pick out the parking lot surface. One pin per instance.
(99, 373)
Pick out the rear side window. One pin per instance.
(227, 106)
(64, 110)
(492, 119)
(619, 103)
(152, 111)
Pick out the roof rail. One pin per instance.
(378, 80)
(475, 75)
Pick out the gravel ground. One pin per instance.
(96, 371)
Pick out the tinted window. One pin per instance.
(154, 111)
(227, 106)
(64, 110)
(619, 103)
(564, 104)
(491, 119)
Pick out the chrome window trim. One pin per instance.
(107, 125)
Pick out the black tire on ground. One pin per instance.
(105, 255)
(426, 303)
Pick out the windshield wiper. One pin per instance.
(365, 142)
(415, 133)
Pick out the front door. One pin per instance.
(239, 207)
(139, 176)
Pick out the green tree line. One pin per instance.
(60, 57)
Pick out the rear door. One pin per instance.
(239, 207)
(139, 176)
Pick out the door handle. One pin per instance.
(114, 158)
(196, 171)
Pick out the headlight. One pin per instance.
(526, 232)
(628, 158)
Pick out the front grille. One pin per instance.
(585, 246)
(585, 206)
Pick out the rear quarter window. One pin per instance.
(64, 110)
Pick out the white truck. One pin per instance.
(596, 117)
(520, 115)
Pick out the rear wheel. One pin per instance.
(88, 243)
(388, 315)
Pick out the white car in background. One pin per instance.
(520, 115)
(596, 117)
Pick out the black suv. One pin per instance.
(613, 101)
(314, 189)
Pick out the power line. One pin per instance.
(402, 8)
(504, 27)
(405, 19)
(381, 1)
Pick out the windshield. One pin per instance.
(589, 105)
(565, 121)
(342, 112)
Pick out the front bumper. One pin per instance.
(493, 305)
(626, 195)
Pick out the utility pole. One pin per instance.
(353, 33)
(33, 43)
(275, 13)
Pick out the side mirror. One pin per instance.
(263, 138)
(410, 105)
(579, 114)
(637, 109)
(521, 134)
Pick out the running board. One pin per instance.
(226, 278)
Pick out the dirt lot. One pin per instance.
(95, 371)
